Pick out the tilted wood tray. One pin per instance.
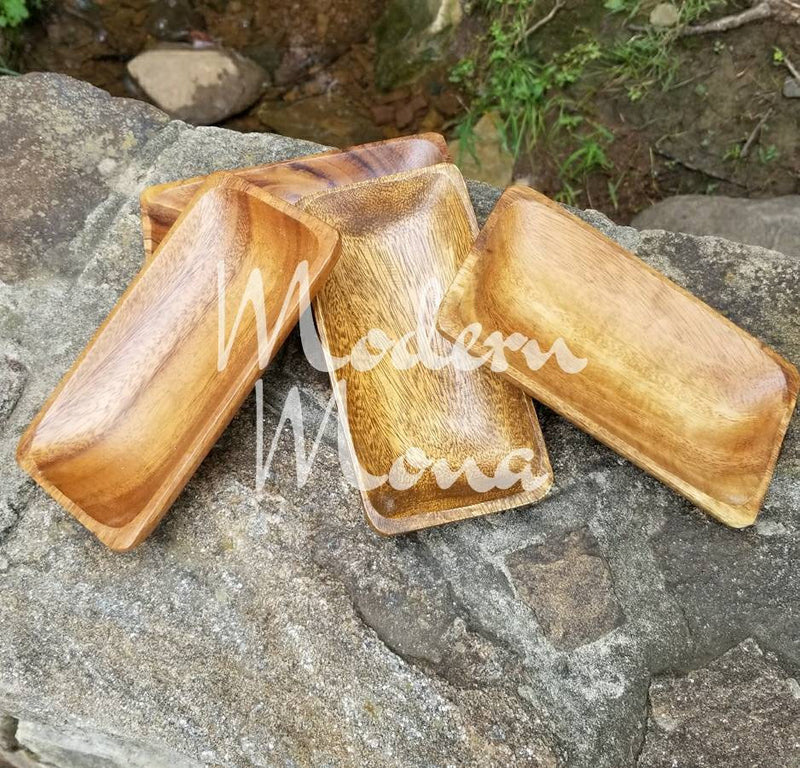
(293, 179)
(668, 382)
(144, 403)
(403, 238)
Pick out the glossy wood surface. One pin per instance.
(669, 383)
(144, 403)
(403, 238)
(292, 179)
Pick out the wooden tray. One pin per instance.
(290, 180)
(668, 382)
(403, 238)
(144, 403)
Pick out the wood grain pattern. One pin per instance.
(669, 383)
(293, 179)
(144, 403)
(402, 239)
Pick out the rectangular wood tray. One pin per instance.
(291, 180)
(668, 382)
(403, 238)
(144, 403)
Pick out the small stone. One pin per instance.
(400, 94)
(199, 85)
(494, 163)
(448, 104)
(432, 121)
(329, 118)
(382, 114)
(419, 103)
(791, 88)
(323, 21)
(664, 15)
(404, 115)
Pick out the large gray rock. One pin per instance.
(773, 223)
(274, 628)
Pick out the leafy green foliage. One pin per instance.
(533, 94)
(768, 154)
(13, 12)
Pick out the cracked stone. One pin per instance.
(739, 711)
(569, 587)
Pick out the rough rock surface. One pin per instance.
(275, 628)
(773, 223)
(697, 719)
(200, 85)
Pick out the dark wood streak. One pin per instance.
(293, 179)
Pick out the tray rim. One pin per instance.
(125, 537)
(390, 526)
(148, 198)
(449, 323)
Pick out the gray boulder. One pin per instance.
(276, 628)
(772, 223)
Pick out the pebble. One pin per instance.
(791, 88)
(664, 15)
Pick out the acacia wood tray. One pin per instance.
(403, 238)
(293, 179)
(668, 382)
(144, 403)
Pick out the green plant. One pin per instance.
(14, 12)
(734, 153)
(768, 154)
(5, 69)
(613, 190)
(590, 156)
(507, 79)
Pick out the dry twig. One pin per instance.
(754, 134)
(782, 11)
(545, 19)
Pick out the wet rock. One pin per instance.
(411, 36)
(740, 711)
(329, 118)
(664, 15)
(791, 88)
(491, 162)
(275, 628)
(199, 85)
(568, 585)
(772, 223)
